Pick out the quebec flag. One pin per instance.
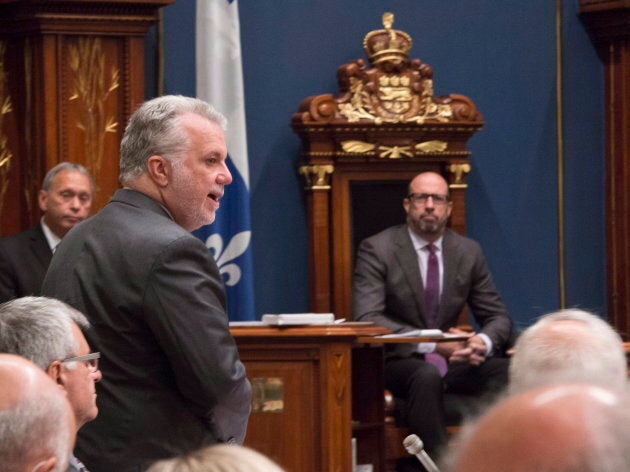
(220, 83)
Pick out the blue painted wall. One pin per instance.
(501, 54)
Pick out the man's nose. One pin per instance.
(224, 177)
(97, 375)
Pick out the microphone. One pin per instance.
(413, 444)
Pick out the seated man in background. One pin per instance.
(36, 424)
(421, 275)
(65, 199)
(556, 428)
(568, 345)
(48, 333)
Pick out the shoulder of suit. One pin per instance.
(23, 236)
(455, 239)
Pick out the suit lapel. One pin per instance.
(450, 257)
(40, 248)
(408, 261)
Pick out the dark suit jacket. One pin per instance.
(24, 258)
(172, 378)
(388, 290)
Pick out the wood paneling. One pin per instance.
(71, 73)
(331, 391)
(608, 23)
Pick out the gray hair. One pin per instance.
(154, 129)
(37, 425)
(218, 458)
(39, 329)
(543, 357)
(65, 166)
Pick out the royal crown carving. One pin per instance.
(394, 89)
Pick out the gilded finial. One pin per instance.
(387, 44)
(388, 20)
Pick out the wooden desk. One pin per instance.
(315, 388)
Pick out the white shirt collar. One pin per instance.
(51, 237)
(419, 243)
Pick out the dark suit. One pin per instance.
(24, 258)
(172, 378)
(388, 290)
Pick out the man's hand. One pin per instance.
(471, 350)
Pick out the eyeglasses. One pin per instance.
(421, 198)
(90, 359)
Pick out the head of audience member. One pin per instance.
(37, 428)
(556, 428)
(568, 345)
(66, 197)
(218, 458)
(428, 205)
(174, 151)
(47, 332)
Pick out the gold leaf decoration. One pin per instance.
(5, 108)
(432, 146)
(360, 147)
(91, 87)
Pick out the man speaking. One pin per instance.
(173, 380)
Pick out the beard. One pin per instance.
(429, 226)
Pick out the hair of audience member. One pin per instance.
(65, 166)
(39, 329)
(602, 414)
(36, 426)
(154, 129)
(542, 356)
(218, 458)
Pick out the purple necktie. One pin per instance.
(432, 288)
(432, 304)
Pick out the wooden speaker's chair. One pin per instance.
(360, 149)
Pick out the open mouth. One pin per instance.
(214, 196)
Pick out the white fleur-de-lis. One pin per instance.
(237, 246)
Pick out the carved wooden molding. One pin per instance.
(74, 71)
(384, 124)
(608, 23)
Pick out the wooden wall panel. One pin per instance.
(73, 72)
(608, 23)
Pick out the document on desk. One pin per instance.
(423, 333)
(298, 319)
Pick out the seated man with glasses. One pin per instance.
(48, 333)
(421, 275)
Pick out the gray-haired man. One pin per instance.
(65, 200)
(48, 333)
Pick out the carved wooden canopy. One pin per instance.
(383, 127)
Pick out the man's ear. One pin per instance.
(159, 170)
(54, 372)
(42, 197)
(47, 465)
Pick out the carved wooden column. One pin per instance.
(71, 72)
(361, 148)
(608, 23)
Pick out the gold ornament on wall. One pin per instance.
(5, 108)
(91, 87)
(317, 176)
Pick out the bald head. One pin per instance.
(560, 428)
(428, 205)
(36, 422)
(571, 346)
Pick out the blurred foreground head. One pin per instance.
(556, 428)
(36, 423)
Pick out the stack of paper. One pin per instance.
(296, 319)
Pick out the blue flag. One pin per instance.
(220, 83)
